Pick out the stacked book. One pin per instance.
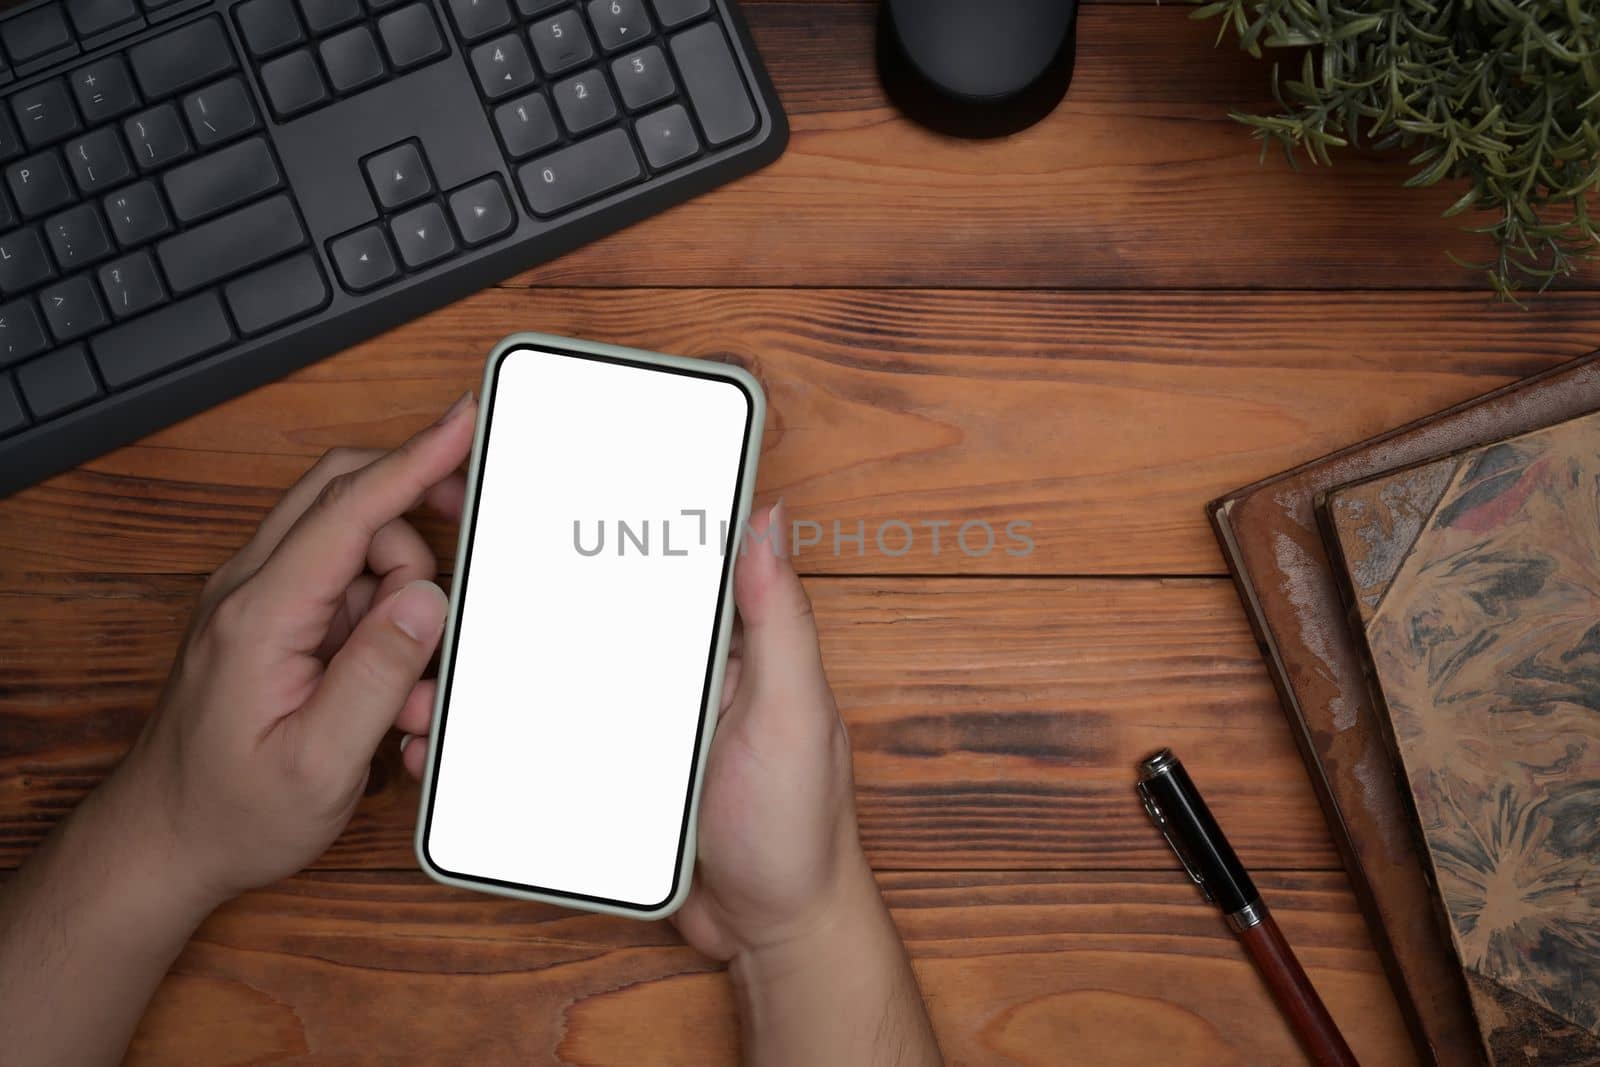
(1428, 604)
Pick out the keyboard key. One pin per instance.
(410, 36)
(72, 308)
(39, 184)
(667, 137)
(161, 340)
(277, 294)
(422, 235)
(219, 112)
(230, 243)
(714, 85)
(481, 211)
(579, 172)
(8, 214)
(561, 42)
(643, 78)
(131, 285)
(10, 139)
(96, 16)
(137, 214)
(619, 23)
(45, 112)
(502, 66)
(98, 160)
(526, 125)
(293, 83)
(78, 237)
(104, 89)
(21, 332)
(222, 180)
(182, 59)
(530, 8)
(324, 15)
(12, 417)
(677, 12)
(269, 26)
(363, 259)
(398, 176)
(23, 261)
(352, 60)
(35, 33)
(157, 137)
(585, 101)
(57, 383)
(476, 19)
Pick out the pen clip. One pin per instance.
(1157, 817)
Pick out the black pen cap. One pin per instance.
(1183, 818)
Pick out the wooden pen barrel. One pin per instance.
(1295, 994)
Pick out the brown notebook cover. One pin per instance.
(1270, 539)
(1475, 583)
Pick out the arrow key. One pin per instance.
(619, 23)
(423, 235)
(363, 259)
(481, 211)
(398, 176)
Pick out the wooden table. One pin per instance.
(1094, 326)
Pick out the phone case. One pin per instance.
(752, 450)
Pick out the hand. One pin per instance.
(305, 649)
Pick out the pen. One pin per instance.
(1179, 812)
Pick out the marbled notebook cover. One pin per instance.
(1476, 583)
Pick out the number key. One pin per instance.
(585, 102)
(131, 285)
(477, 19)
(157, 137)
(561, 42)
(502, 66)
(619, 23)
(526, 125)
(643, 78)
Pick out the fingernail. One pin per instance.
(406, 739)
(418, 611)
(778, 529)
(455, 409)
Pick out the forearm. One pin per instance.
(845, 994)
(88, 927)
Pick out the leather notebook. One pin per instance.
(1270, 538)
(1474, 582)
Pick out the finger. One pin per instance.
(327, 546)
(371, 678)
(417, 715)
(780, 656)
(358, 598)
(399, 556)
(414, 754)
(735, 668)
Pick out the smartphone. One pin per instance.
(582, 662)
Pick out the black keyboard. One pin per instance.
(200, 196)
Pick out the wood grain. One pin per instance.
(1139, 179)
(995, 723)
(1018, 969)
(1106, 420)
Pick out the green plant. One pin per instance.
(1503, 95)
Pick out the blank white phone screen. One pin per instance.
(584, 639)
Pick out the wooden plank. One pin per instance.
(1106, 420)
(995, 723)
(1017, 969)
(1139, 179)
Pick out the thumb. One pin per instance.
(781, 657)
(369, 679)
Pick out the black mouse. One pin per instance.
(977, 68)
